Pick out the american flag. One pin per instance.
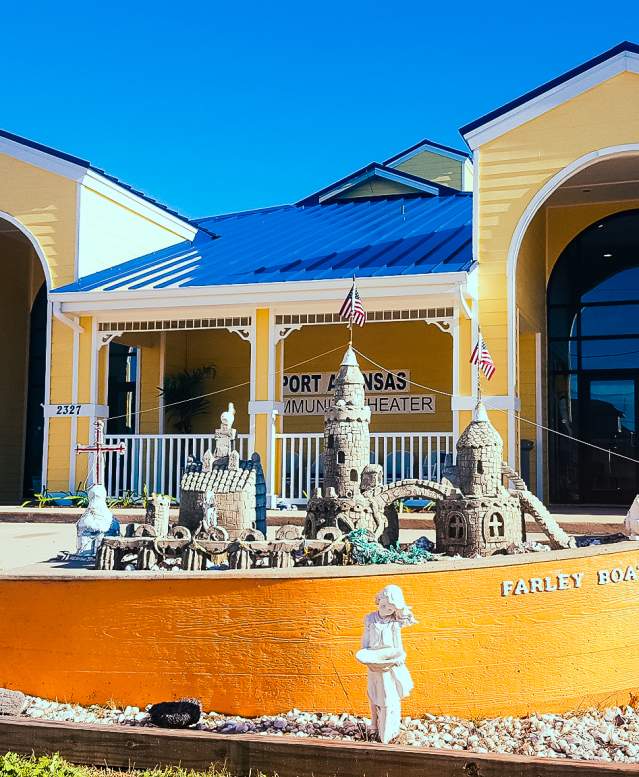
(481, 356)
(352, 309)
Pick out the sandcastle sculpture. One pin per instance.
(382, 652)
(347, 471)
(475, 515)
(222, 490)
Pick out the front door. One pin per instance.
(610, 405)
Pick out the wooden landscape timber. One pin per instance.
(243, 755)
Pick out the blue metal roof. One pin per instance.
(376, 237)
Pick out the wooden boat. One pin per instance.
(507, 635)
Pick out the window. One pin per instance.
(593, 340)
(480, 467)
(456, 527)
(330, 443)
(354, 476)
(496, 526)
(341, 457)
(123, 368)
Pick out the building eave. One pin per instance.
(254, 295)
(621, 58)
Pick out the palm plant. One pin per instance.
(181, 396)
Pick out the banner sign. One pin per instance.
(321, 383)
(379, 404)
(310, 393)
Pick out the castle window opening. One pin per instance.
(330, 444)
(456, 527)
(354, 476)
(341, 457)
(496, 528)
(480, 467)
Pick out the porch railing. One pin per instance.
(402, 455)
(157, 461)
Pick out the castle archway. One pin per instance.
(408, 489)
(23, 323)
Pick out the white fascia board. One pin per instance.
(111, 190)
(92, 180)
(413, 290)
(427, 147)
(377, 173)
(626, 61)
(42, 159)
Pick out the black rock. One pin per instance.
(11, 702)
(176, 714)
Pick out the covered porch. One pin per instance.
(277, 366)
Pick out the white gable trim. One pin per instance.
(112, 191)
(41, 159)
(377, 173)
(625, 62)
(427, 147)
(93, 180)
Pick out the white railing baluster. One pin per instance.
(158, 460)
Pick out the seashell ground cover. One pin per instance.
(610, 734)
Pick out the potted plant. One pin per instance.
(182, 396)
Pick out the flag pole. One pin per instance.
(350, 323)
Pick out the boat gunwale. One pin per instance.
(330, 572)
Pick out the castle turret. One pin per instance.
(346, 430)
(479, 456)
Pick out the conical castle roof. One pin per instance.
(479, 433)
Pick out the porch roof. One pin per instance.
(367, 238)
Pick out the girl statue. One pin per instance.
(383, 654)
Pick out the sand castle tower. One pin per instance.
(483, 518)
(340, 504)
(346, 430)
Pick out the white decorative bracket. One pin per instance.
(282, 331)
(106, 337)
(246, 333)
(444, 325)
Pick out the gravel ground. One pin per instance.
(607, 735)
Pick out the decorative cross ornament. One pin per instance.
(99, 448)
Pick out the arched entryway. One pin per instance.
(593, 363)
(23, 324)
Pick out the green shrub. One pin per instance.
(12, 765)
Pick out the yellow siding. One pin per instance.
(46, 204)
(421, 347)
(150, 353)
(230, 355)
(512, 169)
(434, 167)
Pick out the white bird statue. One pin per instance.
(228, 416)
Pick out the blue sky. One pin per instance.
(214, 107)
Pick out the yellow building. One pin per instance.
(529, 239)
